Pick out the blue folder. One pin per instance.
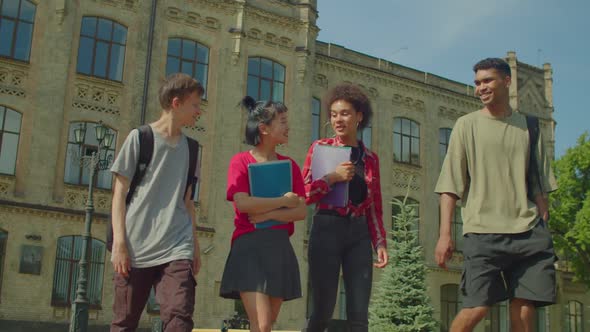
(270, 179)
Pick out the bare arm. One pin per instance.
(257, 205)
(543, 206)
(121, 260)
(445, 246)
(190, 206)
(283, 214)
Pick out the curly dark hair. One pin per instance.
(493, 63)
(354, 95)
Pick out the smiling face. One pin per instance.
(188, 110)
(492, 87)
(277, 132)
(344, 119)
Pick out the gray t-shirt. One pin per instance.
(158, 225)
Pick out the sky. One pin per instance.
(447, 37)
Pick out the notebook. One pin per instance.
(270, 179)
(324, 160)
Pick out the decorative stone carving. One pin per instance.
(192, 19)
(301, 64)
(124, 4)
(326, 63)
(270, 39)
(273, 21)
(6, 186)
(321, 80)
(403, 178)
(12, 80)
(410, 103)
(60, 11)
(449, 113)
(96, 98)
(75, 198)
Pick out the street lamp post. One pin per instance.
(95, 162)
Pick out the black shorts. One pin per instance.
(506, 266)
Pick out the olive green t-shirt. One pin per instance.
(486, 167)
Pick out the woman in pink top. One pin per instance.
(262, 268)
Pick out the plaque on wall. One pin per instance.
(30, 259)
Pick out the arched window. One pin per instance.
(316, 109)
(414, 205)
(78, 174)
(17, 18)
(406, 141)
(575, 316)
(450, 304)
(101, 52)
(189, 57)
(10, 123)
(65, 277)
(266, 79)
(444, 135)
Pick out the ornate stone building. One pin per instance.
(70, 64)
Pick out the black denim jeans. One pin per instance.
(339, 242)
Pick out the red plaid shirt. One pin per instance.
(371, 207)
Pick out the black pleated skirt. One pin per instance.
(262, 261)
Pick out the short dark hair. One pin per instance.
(354, 95)
(493, 63)
(178, 85)
(259, 112)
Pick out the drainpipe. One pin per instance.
(148, 62)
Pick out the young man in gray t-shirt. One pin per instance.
(154, 244)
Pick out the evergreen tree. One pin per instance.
(400, 302)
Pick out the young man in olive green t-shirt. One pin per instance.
(508, 249)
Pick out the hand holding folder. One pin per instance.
(270, 179)
(324, 160)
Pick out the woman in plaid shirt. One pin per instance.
(345, 236)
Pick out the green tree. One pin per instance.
(399, 302)
(570, 208)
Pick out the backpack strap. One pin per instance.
(532, 124)
(193, 167)
(146, 150)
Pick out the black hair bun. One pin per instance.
(249, 103)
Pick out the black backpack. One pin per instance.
(533, 175)
(146, 150)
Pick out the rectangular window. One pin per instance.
(315, 119)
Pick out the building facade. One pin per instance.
(66, 65)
